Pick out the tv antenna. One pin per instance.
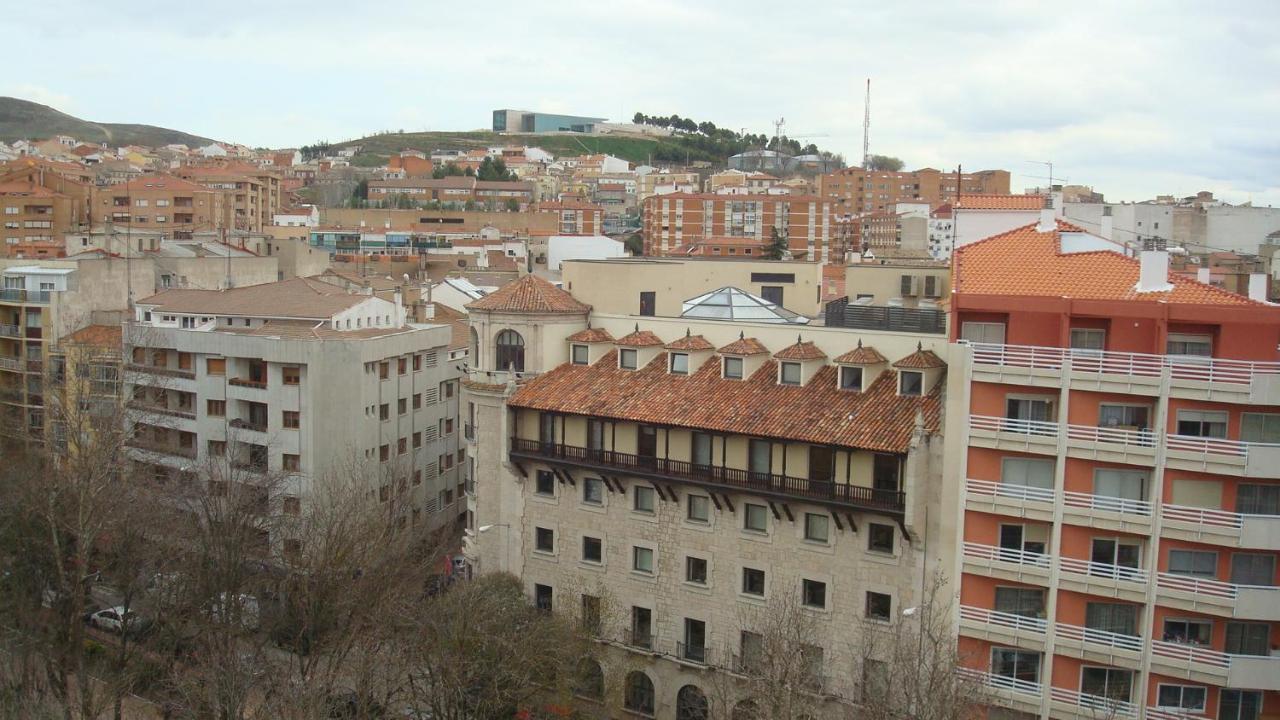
(866, 128)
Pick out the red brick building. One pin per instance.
(737, 225)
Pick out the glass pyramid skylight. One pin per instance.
(730, 303)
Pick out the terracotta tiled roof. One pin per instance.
(159, 182)
(800, 351)
(691, 342)
(744, 346)
(639, 338)
(1024, 262)
(877, 419)
(26, 188)
(529, 294)
(991, 201)
(296, 298)
(106, 336)
(591, 335)
(920, 360)
(862, 356)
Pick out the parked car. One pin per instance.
(117, 620)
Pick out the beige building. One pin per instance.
(659, 286)
(164, 203)
(673, 481)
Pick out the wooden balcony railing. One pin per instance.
(892, 501)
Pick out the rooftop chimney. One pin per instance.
(1106, 228)
(1047, 223)
(1258, 286)
(1153, 273)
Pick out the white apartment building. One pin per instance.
(297, 379)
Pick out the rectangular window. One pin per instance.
(1260, 427)
(643, 499)
(1188, 632)
(760, 457)
(216, 408)
(1024, 602)
(1090, 340)
(789, 374)
(880, 538)
(291, 374)
(291, 419)
(850, 378)
(591, 614)
(641, 627)
(1195, 345)
(1239, 704)
(417, 439)
(814, 593)
(1027, 472)
(1253, 569)
(384, 370)
(417, 401)
(627, 359)
(1197, 563)
(542, 597)
(592, 550)
(752, 582)
(578, 354)
(755, 517)
(1119, 618)
(545, 483)
(417, 363)
(1105, 682)
(544, 539)
(1257, 499)
(910, 383)
(679, 363)
(982, 332)
(217, 448)
(215, 366)
(1202, 423)
(642, 560)
(402, 406)
(695, 570)
(292, 463)
(879, 606)
(1123, 484)
(817, 527)
(1131, 417)
(648, 303)
(402, 366)
(733, 368)
(1016, 664)
(701, 449)
(772, 293)
(695, 640)
(699, 508)
(1181, 697)
(593, 491)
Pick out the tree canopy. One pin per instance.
(884, 163)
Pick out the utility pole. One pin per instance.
(866, 128)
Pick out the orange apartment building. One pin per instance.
(41, 201)
(711, 224)
(1114, 431)
(575, 217)
(164, 203)
(253, 194)
(856, 191)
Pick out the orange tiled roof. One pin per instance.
(992, 201)
(744, 346)
(1024, 262)
(862, 356)
(877, 419)
(591, 335)
(106, 336)
(529, 294)
(26, 188)
(691, 342)
(639, 338)
(920, 360)
(800, 351)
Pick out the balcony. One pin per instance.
(1220, 527)
(1098, 645)
(1204, 664)
(1222, 456)
(1003, 433)
(162, 410)
(247, 383)
(1104, 579)
(10, 331)
(1003, 627)
(1090, 706)
(1008, 563)
(12, 364)
(1254, 602)
(1107, 512)
(1009, 499)
(242, 424)
(162, 448)
(162, 371)
(12, 295)
(1193, 378)
(715, 478)
(1136, 447)
(693, 653)
(1008, 691)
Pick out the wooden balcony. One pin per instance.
(768, 485)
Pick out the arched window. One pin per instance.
(639, 693)
(691, 704)
(590, 680)
(509, 351)
(746, 710)
(474, 349)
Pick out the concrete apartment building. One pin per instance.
(709, 224)
(1114, 474)
(649, 472)
(174, 206)
(300, 380)
(857, 191)
(663, 183)
(574, 217)
(461, 189)
(252, 194)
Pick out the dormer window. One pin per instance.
(789, 373)
(733, 368)
(679, 363)
(627, 359)
(851, 378)
(910, 383)
(578, 354)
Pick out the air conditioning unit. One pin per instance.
(909, 286)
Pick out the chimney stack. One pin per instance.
(1047, 222)
(1153, 273)
(1107, 227)
(1204, 275)
(1258, 286)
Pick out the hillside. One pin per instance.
(26, 120)
(374, 149)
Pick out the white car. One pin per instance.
(115, 619)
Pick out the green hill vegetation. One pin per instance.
(26, 120)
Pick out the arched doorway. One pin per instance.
(509, 351)
(639, 693)
(691, 704)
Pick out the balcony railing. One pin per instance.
(161, 410)
(1002, 682)
(11, 363)
(1207, 587)
(978, 551)
(1009, 490)
(1095, 704)
(636, 639)
(1203, 516)
(1102, 570)
(246, 382)
(1214, 446)
(996, 423)
(1114, 436)
(1159, 713)
(242, 424)
(1099, 637)
(1010, 621)
(738, 479)
(27, 296)
(162, 448)
(10, 331)
(1190, 653)
(1090, 501)
(164, 371)
(1181, 367)
(693, 653)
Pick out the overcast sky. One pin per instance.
(1133, 98)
